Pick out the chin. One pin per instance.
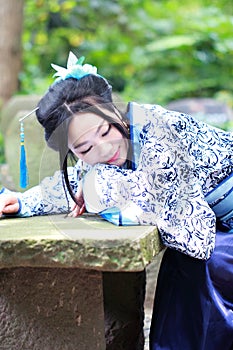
(121, 162)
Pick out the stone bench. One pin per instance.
(69, 284)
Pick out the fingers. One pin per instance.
(10, 209)
(8, 204)
(77, 211)
(82, 209)
(79, 206)
(3, 204)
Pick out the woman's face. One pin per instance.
(94, 140)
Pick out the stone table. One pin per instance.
(69, 284)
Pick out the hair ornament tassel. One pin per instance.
(23, 163)
(75, 68)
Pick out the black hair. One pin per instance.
(63, 100)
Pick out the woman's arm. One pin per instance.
(49, 197)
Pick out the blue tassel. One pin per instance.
(23, 163)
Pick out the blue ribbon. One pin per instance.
(23, 163)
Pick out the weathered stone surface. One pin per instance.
(48, 309)
(86, 242)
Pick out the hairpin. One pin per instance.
(23, 162)
(75, 68)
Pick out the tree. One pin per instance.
(11, 21)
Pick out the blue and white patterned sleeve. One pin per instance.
(49, 197)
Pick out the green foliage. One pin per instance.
(151, 51)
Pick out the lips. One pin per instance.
(115, 157)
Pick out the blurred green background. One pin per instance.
(150, 51)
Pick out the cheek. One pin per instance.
(78, 154)
(81, 156)
(116, 136)
(87, 158)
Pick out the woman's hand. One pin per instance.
(79, 207)
(9, 204)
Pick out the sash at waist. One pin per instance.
(220, 199)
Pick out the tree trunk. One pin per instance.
(11, 21)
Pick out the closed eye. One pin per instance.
(86, 151)
(107, 131)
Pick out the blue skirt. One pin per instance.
(193, 307)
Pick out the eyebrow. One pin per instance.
(97, 131)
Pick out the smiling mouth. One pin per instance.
(115, 157)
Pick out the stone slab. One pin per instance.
(87, 242)
(50, 295)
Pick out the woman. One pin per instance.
(149, 166)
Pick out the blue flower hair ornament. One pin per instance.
(75, 68)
